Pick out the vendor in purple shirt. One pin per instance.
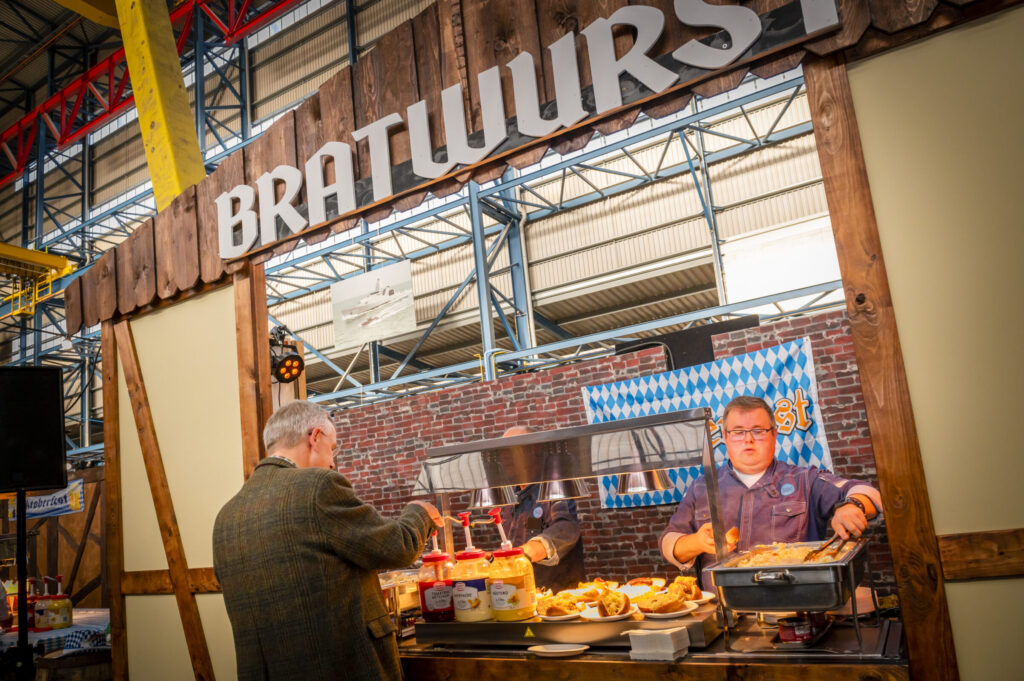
(548, 532)
(768, 500)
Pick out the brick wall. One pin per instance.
(381, 446)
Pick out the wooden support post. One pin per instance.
(192, 624)
(254, 394)
(876, 342)
(114, 536)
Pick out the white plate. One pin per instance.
(706, 597)
(690, 607)
(592, 615)
(558, 649)
(634, 591)
(558, 618)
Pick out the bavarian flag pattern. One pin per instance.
(783, 375)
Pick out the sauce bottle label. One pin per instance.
(471, 594)
(437, 596)
(509, 594)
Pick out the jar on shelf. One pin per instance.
(469, 586)
(435, 587)
(513, 589)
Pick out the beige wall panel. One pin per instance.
(218, 635)
(143, 548)
(156, 641)
(986, 628)
(189, 362)
(780, 209)
(951, 233)
(381, 17)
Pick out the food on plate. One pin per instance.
(664, 602)
(591, 591)
(785, 554)
(685, 588)
(543, 592)
(560, 605)
(612, 603)
(653, 582)
(733, 536)
(643, 601)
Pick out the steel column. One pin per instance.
(518, 271)
(483, 284)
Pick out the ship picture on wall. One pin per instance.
(373, 306)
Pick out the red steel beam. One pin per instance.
(107, 82)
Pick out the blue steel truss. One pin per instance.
(497, 212)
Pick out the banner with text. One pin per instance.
(783, 375)
(71, 499)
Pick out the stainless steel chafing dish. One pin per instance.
(802, 587)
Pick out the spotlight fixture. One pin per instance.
(285, 362)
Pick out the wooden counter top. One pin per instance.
(430, 666)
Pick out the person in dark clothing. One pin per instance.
(768, 500)
(297, 553)
(549, 532)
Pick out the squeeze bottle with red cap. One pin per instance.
(469, 581)
(513, 589)
(435, 586)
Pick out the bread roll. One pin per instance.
(612, 603)
(733, 536)
(667, 602)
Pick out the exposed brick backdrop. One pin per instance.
(381, 446)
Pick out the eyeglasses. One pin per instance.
(739, 435)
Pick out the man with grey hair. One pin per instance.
(296, 554)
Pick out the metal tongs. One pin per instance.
(835, 552)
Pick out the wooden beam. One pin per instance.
(200, 580)
(982, 555)
(195, 637)
(165, 117)
(876, 342)
(254, 393)
(80, 549)
(441, 668)
(113, 536)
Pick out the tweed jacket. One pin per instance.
(296, 553)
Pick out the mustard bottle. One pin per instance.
(513, 588)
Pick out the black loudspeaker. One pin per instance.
(689, 347)
(32, 429)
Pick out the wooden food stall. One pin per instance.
(158, 562)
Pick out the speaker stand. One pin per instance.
(24, 666)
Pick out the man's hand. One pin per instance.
(535, 551)
(702, 541)
(431, 510)
(849, 520)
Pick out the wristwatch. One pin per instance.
(851, 500)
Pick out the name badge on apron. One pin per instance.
(534, 522)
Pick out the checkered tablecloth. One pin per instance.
(88, 633)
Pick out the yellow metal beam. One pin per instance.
(168, 129)
(27, 263)
(102, 12)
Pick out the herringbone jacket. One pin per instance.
(296, 553)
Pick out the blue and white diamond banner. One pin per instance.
(783, 375)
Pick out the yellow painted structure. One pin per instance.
(168, 129)
(34, 273)
(102, 12)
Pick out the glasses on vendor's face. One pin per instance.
(740, 434)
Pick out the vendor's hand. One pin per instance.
(849, 520)
(431, 511)
(535, 550)
(706, 536)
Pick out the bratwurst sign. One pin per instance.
(251, 216)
